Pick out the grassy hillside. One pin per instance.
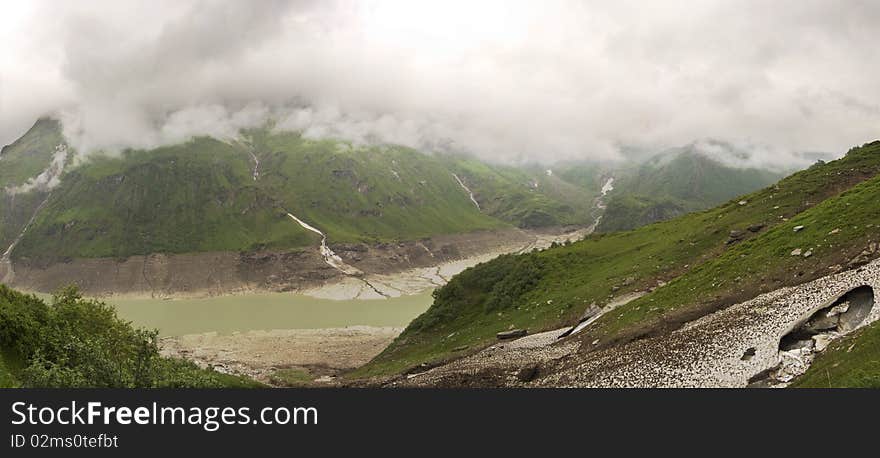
(198, 196)
(19, 162)
(692, 253)
(369, 193)
(672, 184)
(527, 196)
(850, 362)
(75, 343)
(202, 196)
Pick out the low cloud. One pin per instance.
(507, 80)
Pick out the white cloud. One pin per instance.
(508, 80)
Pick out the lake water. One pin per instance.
(227, 314)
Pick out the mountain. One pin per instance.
(269, 192)
(676, 182)
(660, 277)
(530, 196)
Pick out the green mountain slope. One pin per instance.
(213, 195)
(706, 266)
(528, 196)
(675, 183)
(20, 163)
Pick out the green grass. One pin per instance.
(547, 289)
(850, 362)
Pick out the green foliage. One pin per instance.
(691, 253)
(76, 342)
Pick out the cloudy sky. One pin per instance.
(505, 79)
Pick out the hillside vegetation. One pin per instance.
(709, 260)
(528, 196)
(75, 342)
(672, 184)
(233, 195)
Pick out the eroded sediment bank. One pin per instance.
(393, 268)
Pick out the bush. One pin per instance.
(77, 342)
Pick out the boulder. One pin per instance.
(512, 334)
(822, 341)
(821, 323)
(798, 228)
(838, 309)
(796, 252)
(735, 236)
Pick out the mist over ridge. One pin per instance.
(511, 82)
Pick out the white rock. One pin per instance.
(822, 341)
(798, 228)
(796, 252)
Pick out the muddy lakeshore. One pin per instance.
(303, 270)
(319, 354)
